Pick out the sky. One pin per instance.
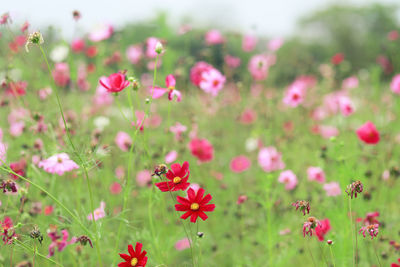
(274, 18)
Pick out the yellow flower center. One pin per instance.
(177, 180)
(134, 261)
(194, 206)
(171, 88)
(59, 160)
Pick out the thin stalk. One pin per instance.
(96, 240)
(332, 257)
(50, 195)
(352, 233)
(40, 255)
(309, 250)
(376, 253)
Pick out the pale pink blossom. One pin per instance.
(327, 131)
(316, 174)
(182, 244)
(332, 189)
(289, 179)
(123, 141)
(178, 129)
(232, 62)
(259, 66)
(134, 53)
(102, 32)
(143, 178)
(61, 74)
(395, 84)
(58, 164)
(346, 106)
(212, 82)
(171, 157)
(98, 213)
(102, 97)
(44, 93)
(350, 83)
(275, 44)
(3, 152)
(248, 116)
(17, 128)
(294, 96)
(151, 43)
(386, 175)
(170, 82)
(249, 42)
(214, 37)
(270, 159)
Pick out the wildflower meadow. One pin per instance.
(152, 144)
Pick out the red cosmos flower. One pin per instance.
(202, 149)
(395, 264)
(322, 229)
(337, 58)
(368, 133)
(195, 205)
(135, 258)
(178, 177)
(114, 83)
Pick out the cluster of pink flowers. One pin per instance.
(207, 78)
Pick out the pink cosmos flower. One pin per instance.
(294, 96)
(82, 82)
(59, 242)
(368, 133)
(151, 43)
(183, 29)
(170, 82)
(123, 141)
(98, 213)
(115, 188)
(385, 174)
(248, 116)
(201, 149)
(78, 45)
(17, 128)
(241, 199)
(332, 189)
(214, 37)
(114, 83)
(58, 164)
(25, 26)
(249, 42)
(61, 74)
(259, 66)
(178, 129)
(102, 97)
(3, 152)
(350, 83)
(197, 70)
(322, 229)
(44, 93)
(134, 53)
(275, 44)
(240, 164)
(393, 35)
(182, 244)
(5, 18)
(316, 174)
(212, 81)
(346, 106)
(171, 157)
(143, 178)
(270, 159)
(232, 62)
(289, 179)
(102, 32)
(327, 131)
(395, 84)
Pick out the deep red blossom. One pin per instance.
(368, 133)
(195, 205)
(136, 257)
(7, 230)
(177, 177)
(337, 58)
(202, 149)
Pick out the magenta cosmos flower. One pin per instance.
(270, 159)
(202, 149)
(58, 164)
(240, 164)
(289, 179)
(170, 82)
(214, 37)
(114, 83)
(316, 174)
(197, 70)
(212, 81)
(59, 242)
(123, 141)
(368, 133)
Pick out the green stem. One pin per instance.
(49, 194)
(96, 240)
(352, 232)
(332, 257)
(309, 250)
(376, 252)
(37, 253)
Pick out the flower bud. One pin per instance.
(159, 48)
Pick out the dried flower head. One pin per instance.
(372, 230)
(76, 15)
(309, 226)
(354, 189)
(303, 205)
(36, 234)
(34, 38)
(8, 186)
(83, 239)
